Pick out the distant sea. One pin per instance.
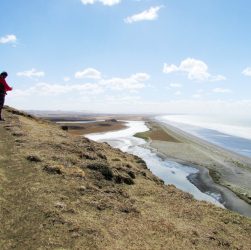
(232, 133)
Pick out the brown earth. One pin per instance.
(63, 192)
(92, 127)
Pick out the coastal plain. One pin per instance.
(220, 170)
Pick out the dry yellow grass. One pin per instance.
(59, 192)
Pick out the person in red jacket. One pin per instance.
(4, 87)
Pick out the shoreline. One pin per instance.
(215, 165)
(207, 179)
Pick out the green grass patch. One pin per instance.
(215, 175)
(142, 135)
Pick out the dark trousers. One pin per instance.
(2, 98)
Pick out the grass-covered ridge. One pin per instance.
(64, 192)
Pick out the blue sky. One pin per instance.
(129, 56)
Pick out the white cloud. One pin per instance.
(146, 15)
(195, 69)
(175, 85)
(88, 73)
(8, 39)
(247, 71)
(170, 68)
(221, 90)
(104, 2)
(132, 83)
(31, 73)
(140, 77)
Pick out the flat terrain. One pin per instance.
(64, 192)
(226, 168)
(93, 127)
(157, 133)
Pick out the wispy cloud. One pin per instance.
(33, 73)
(195, 69)
(222, 90)
(8, 39)
(147, 15)
(247, 71)
(88, 73)
(175, 85)
(104, 2)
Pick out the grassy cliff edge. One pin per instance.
(63, 192)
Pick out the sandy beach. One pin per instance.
(220, 170)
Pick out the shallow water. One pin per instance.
(234, 135)
(169, 171)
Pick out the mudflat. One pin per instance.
(93, 127)
(229, 171)
(96, 124)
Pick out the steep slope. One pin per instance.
(60, 192)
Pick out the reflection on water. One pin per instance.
(169, 171)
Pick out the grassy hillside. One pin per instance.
(63, 192)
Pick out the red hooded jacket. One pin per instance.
(4, 85)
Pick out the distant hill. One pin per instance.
(64, 192)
